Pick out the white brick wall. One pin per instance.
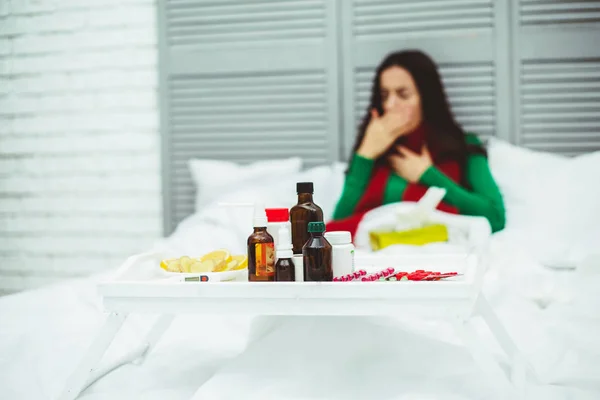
(79, 142)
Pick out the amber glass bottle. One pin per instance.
(317, 255)
(261, 251)
(284, 270)
(302, 213)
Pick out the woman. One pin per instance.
(409, 141)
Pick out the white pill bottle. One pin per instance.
(342, 252)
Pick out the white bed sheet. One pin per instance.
(552, 316)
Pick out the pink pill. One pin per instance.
(362, 272)
(335, 279)
(373, 278)
(344, 279)
(356, 275)
(364, 279)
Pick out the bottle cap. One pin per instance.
(285, 239)
(260, 216)
(305, 187)
(278, 214)
(316, 226)
(338, 237)
(284, 254)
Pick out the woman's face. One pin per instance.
(399, 94)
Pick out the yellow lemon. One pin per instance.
(242, 262)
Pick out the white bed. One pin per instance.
(552, 313)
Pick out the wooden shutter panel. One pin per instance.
(557, 59)
(245, 81)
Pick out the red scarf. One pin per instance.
(373, 195)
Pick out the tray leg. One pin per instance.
(484, 359)
(88, 364)
(520, 367)
(154, 334)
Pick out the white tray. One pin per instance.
(126, 293)
(459, 300)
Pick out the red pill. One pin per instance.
(356, 275)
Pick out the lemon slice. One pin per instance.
(202, 266)
(231, 265)
(164, 264)
(242, 262)
(185, 263)
(220, 266)
(174, 266)
(217, 255)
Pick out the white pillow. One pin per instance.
(214, 178)
(578, 213)
(551, 207)
(525, 178)
(281, 192)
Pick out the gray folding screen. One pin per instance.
(245, 81)
(556, 56)
(249, 80)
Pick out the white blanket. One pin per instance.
(552, 316)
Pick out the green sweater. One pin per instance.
(484, 199)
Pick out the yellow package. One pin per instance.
(417, 237)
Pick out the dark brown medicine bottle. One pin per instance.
(284, 268)
(261, 251)
(302, 213)
(317, 255)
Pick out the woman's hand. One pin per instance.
(382, 132)
(410, 165)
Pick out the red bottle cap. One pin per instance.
(278, 214)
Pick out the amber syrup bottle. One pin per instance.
(302, 213)
(261, 250)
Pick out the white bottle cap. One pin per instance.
(284, 248)
(298, 260)
(260, 216)
(338, 237)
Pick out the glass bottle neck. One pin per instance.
(305, 198)
(316, 234)
(260, 229)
